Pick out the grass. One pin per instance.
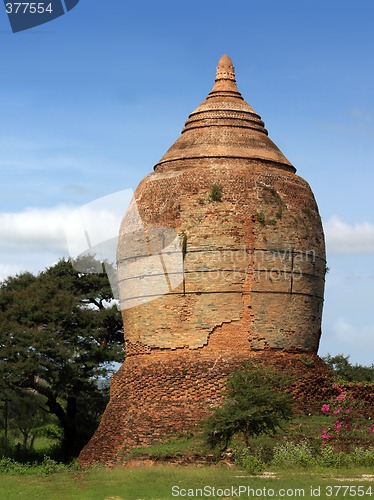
(188, 445)
(295, 469)
(297, 430)
(156, 483)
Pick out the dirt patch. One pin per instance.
(363, 477)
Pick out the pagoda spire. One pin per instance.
(223, 126)
(225, 69)
(225, 78)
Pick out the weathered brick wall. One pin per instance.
(260, 248)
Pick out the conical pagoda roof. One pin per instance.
(224, 126)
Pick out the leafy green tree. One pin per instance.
(255, 403)
(348, 372)
(60, 332)
(26, 416)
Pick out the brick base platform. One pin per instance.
(169, 392)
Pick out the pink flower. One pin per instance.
(342, 397)
(348, 410)
(338, 425)
(338, 410)
(324, 434)
(325, 408)
(372, 427)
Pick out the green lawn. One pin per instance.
(157, 483)
(304, 477)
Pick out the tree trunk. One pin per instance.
(25, 436)
(32, 441)
(70, 429)
(66, 418)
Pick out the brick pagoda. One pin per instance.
(221, 258)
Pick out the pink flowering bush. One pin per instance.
(325, 408)
(348, 416)
(324, 434)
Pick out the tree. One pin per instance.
(348, 372)
(255, 403)
(27, 416)
(60, 332)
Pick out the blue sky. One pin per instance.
(91, 101)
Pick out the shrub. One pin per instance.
(329, 458)
(10, 466)
(255, 404)
(48, 466)
(293, 455)
(249, 462)
(289, 454)
(362, 457)
(261, 218)
(348, 416)
(215, 193)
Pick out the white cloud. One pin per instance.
(33, 230)
(97, 222)
(344, 336)
(32, 239)
(343, 238)
(354, 335)
(37, 237)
